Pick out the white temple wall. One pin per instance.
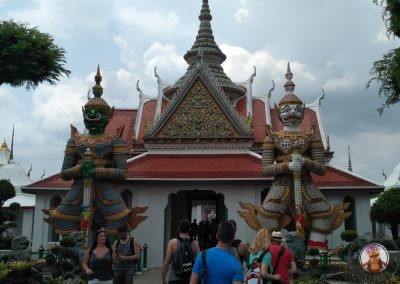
(362, 209)
(152, 229)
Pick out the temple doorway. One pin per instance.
(192, 204)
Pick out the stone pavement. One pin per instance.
(153, 275)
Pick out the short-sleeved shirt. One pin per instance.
(222, 267)
(266, 261)
(284, 261)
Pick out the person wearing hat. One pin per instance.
(283, 261)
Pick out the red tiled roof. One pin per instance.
(208, 166)
(336, 178)
(195, 166)
(259, 120)
(52, 182)
(149, 110)
(241, 107)
(123, 118)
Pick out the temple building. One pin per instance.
(195, 148)
(12, 172)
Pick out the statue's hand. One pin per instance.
(296, 163)
(88, 170)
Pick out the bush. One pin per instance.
(313, 252)
(67, 242)
(348, 235)
(50, 259)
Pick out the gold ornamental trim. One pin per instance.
(117, 216)
(59, 215)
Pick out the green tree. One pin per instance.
(386, 72)
(29, 57)
(7, 215)
(386, 210)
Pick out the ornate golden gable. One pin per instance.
(198, 116)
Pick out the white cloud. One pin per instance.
(64, 18)
(127, 55)
(241, 15)
(150, 21)
(344, 82)
(170, 64)
(240, 62)
(55, 107)
(382, 37)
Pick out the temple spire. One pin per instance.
(205, 39)
(349, 166)
(12, 146)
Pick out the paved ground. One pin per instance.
(153, 275)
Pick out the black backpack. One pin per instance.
(183, 260)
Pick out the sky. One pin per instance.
(330, 45)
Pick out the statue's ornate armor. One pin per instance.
(96, 161)
(291, 155)
(278, 206)
(110, 161)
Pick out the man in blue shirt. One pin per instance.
(222, 266)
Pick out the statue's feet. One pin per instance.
(135, 218)
(249, 215)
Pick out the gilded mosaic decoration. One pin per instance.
(198, 116)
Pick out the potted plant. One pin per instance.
(313, 252)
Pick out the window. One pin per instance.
(350, 223)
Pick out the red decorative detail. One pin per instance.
(300, 218)
(322, 245)
(83, 224)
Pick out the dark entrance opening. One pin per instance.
(180, 205)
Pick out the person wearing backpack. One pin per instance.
(259, 252)
(239, 248)
(217, 265)
(283, 261)
(126, 254)
(180, 256)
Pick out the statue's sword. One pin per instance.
(299, 214)
(87, 203)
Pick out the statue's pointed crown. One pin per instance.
(97, 101)
(289, 97)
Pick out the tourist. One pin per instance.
(97, 261)
(126, 254)
(222, 266)
(239, 248)
(261, 243)
(283, 261)
(172, 254)
(193, 230)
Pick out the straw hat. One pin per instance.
(276, 236)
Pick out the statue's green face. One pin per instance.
(95, 119)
